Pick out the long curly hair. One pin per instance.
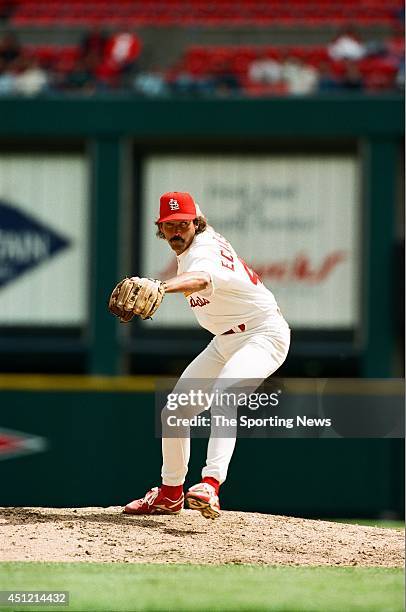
(200, 224)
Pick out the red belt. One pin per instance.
(231, 331)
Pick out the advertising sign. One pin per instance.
(43, 239)
(293, 218)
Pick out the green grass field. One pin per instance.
(116, 587)
(382, 524)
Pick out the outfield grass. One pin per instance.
(116, 587)
(382, 524)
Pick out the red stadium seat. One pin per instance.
(207, 12)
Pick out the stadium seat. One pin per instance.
(307, 13)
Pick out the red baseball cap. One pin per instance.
(176, 206)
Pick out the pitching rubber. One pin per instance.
(203, 507)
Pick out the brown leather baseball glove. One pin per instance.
(136, 296)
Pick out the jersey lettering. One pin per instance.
(229, 257)
(235, 299)
(198, 302)
(225, 252)
(230, 266)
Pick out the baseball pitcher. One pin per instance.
(251, 341)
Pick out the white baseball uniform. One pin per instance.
(235, 300)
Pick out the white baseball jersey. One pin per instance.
(236, 295)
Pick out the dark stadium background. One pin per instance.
(78, 129)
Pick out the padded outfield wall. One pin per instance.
(77, 441)
(77, 180)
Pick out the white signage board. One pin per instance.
(293, 218)
(44, 239)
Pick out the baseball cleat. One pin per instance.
(155, 502)
(203, 497)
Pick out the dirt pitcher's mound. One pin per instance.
(105, 534)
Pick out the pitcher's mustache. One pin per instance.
(176, 239)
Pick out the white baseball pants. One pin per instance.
(253, 354)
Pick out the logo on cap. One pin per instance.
(173, 204)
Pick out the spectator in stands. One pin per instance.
(400, 77)
(31, 79)
(300, 78)
(400, 16)
(6, 9)
(226, 82)
(10, 49)
(94, 43)
(7, 79)
(346, 45)
(151, 84)
(352, 79)
(81, 78)
(107, 75)
(183, 83)
(265, 71)
(327, 82)
(122, 54)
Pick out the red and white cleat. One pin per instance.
(155, 502)
(203, 497)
